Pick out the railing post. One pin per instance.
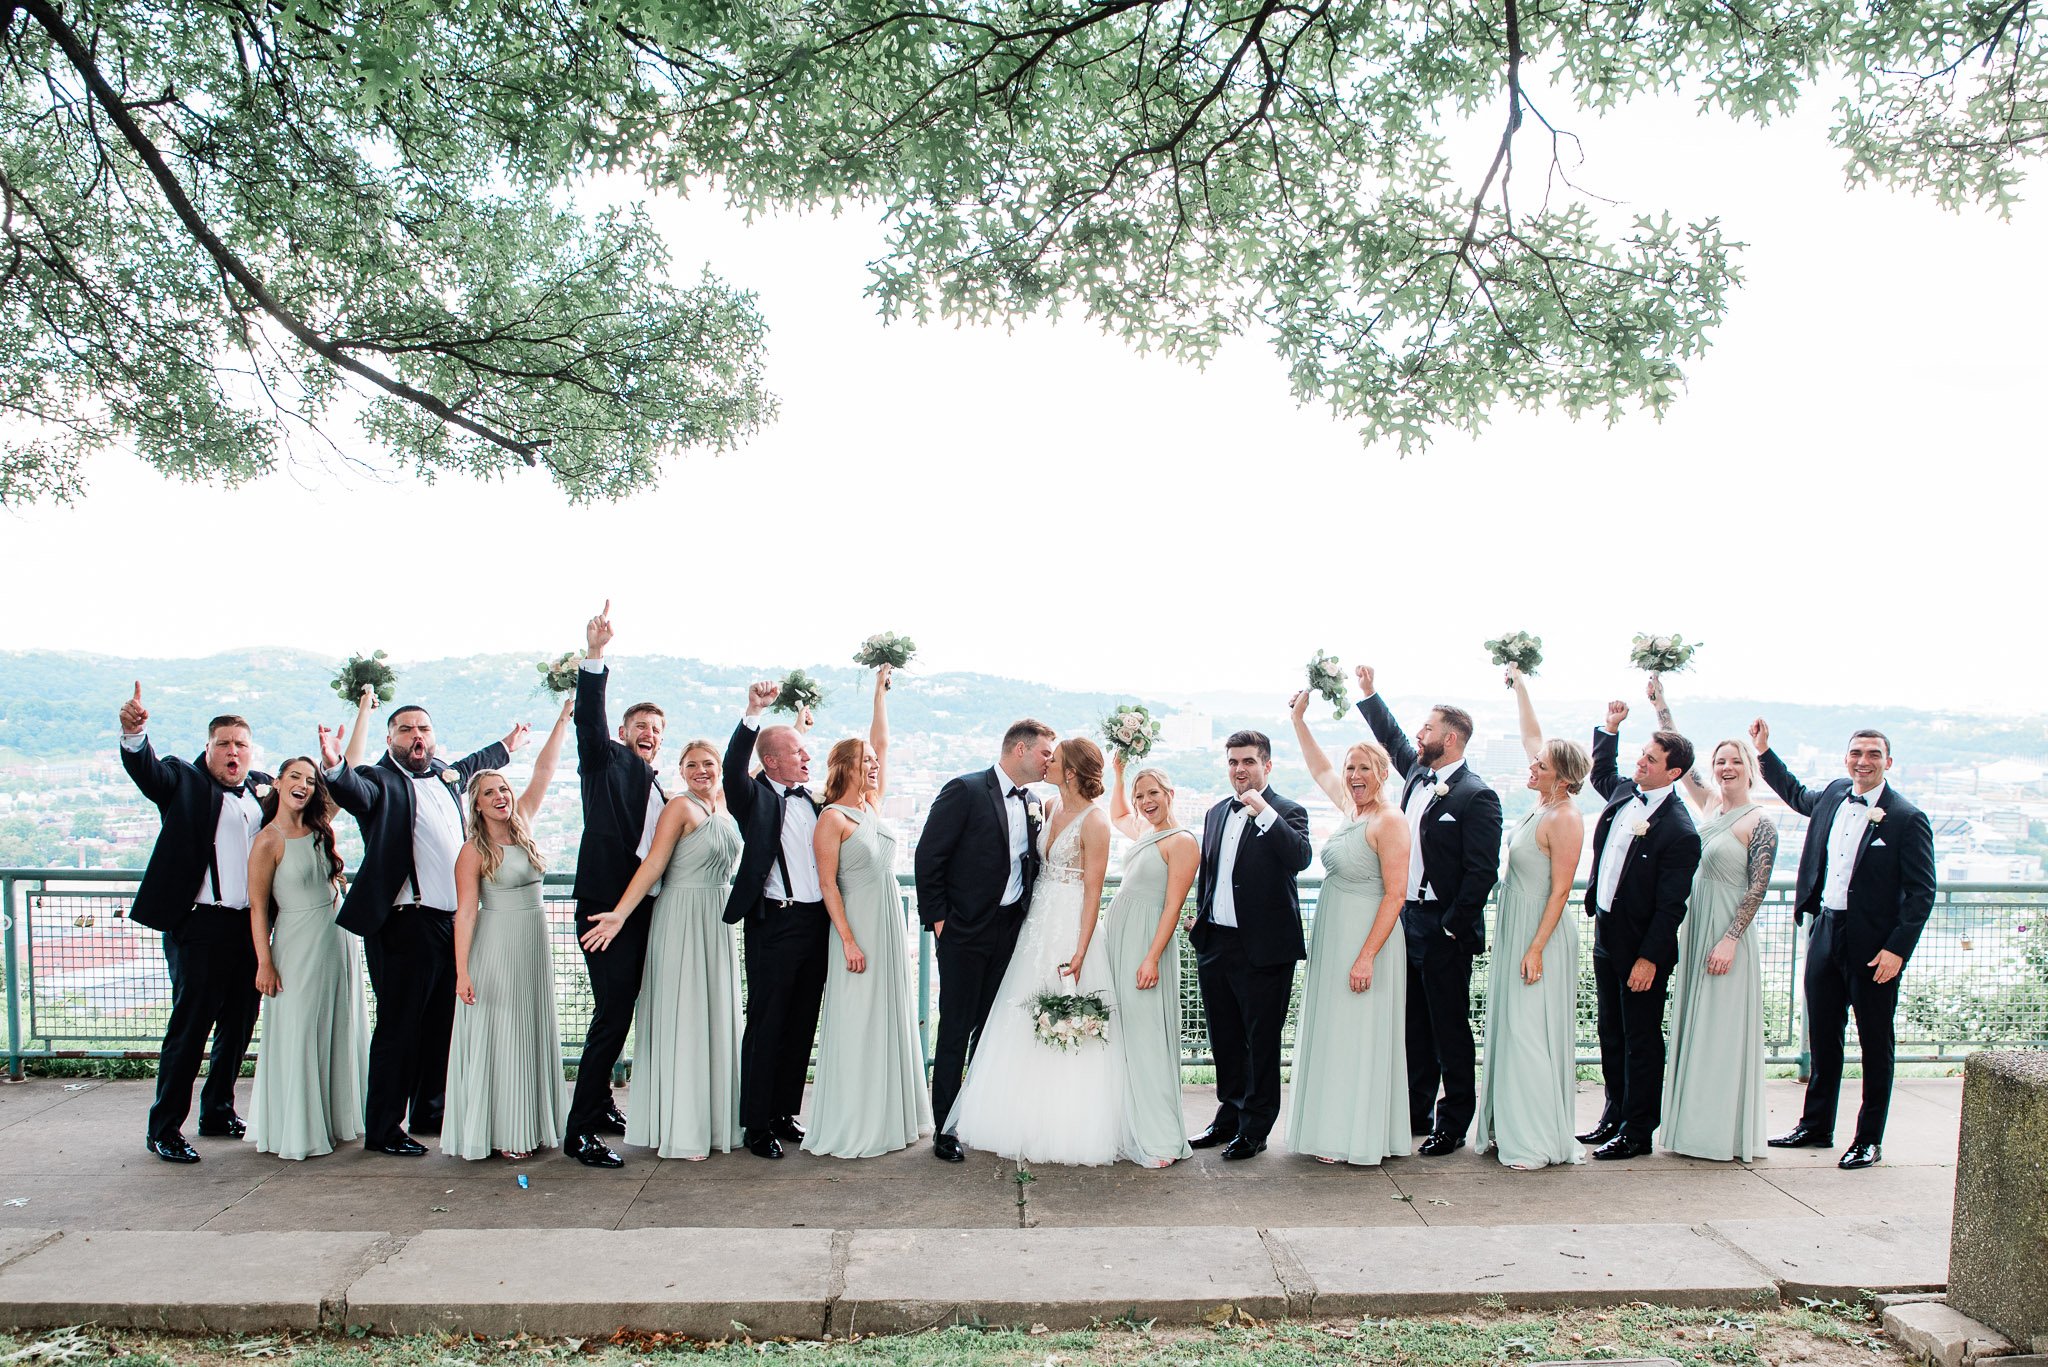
(924, 998)
(7, 933)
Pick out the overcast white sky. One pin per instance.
(1846, 505)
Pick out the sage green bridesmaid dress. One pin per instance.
(505, 1087)
(1350, 1085)
(686, 1027)
(870, 1096)
(1714, 1092)
(1147, 1023)
(1525, 1089)
(315, 1055)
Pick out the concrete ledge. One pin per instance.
(182, 1280)
(1360, 1271)
(697, 1282)
(1843, 1258)
(1063, 1278)
(1945, 1337)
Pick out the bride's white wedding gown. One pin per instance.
(1029, 1100)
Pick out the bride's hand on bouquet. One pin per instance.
(1072, 968)
(856, 962)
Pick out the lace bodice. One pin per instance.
(1062, 856)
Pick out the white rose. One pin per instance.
(1877, 816)
(450, 777)
(262, 790)
(1640, 828)
(1442, 789)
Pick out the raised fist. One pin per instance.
(1365, 684)
(760, 695)
(1760, 735)
(1617, 713)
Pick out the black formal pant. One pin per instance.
(1246, 1007)
(786, 950)
(1838, 981)
(970, 973)
(1631, 1047)
(212, 963)
(1439, 1026)
(614, 989)
(412, 969)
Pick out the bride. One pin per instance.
(1023, 1098)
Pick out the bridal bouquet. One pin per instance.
(1661, 654)
(366, 671)
(1064, 1021)
(799, 690)
(885, 648)
(1326, 678)
(1130, 731)
(1520, 649)
(558, 676)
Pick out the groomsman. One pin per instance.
(196, 891)
(622, 802)
(402, 902)
(777, 900)
(1866, 879)
(1247, 938)
(975, 864)
(1645, 852)
(1453, 862)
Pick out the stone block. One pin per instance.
(1999, 1242)
(1942, 1335)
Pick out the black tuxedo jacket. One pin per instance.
(1891, 888)
(188, 799)
(754, 805)
(962, 861)
(615, 783)
(1261, 882)
(379, 797)
(1460, 836)
(1649, 902)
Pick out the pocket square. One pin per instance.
(1448, 817)
(1875, 843)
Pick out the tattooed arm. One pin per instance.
(1695, 786)
(1763, 852)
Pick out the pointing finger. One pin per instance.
(138, 690)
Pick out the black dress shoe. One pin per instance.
(1244, 1146)
(1800, 1137)
(946, 1148)
(592, 1152)
(1600, 1133)
(764, 1146)
(1437, 1145)
(231, 1128)
(1211, 1138)
(1860, 1156)
(172, 1150)
(613, 1121)
(401, 1146)
(1622, 1146)
(785, 1127)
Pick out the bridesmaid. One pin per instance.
(1144, 964)
(870, 1097)
(1714, 1091)
(314, 1058)
(686, 1027)
(505, 1090)
(1532, 1002)
(1350, 1093)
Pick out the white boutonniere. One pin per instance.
(1442, 789)
(450, 777)
(1639, 828)
(1034, 809)
(1877, 816)
(262, 790)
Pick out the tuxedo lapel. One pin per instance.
(1869, 829)
(992, 781)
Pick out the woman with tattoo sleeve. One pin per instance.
(1714, 1092)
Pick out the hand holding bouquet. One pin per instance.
(365, 672)
(1064, 1021)
(558, 676)
(1130, 731)
(1326, 677)
(885, 648)
(1661, 654)
(1520, 649)
(799, 693)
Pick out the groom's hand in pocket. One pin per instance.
(938, 929)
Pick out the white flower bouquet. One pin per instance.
(1520, 649)
(885, 648)
(1065, 1021)
(1130, 731)
(558, 676)
(1661, 654)
(799, 690)
(1326, 676)
(363, 671)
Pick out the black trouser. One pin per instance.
(412, 969)
(1439, 1026)
(1246, 1007)
(970, 973)
(212, 962)
(1838, 981)
(786, 948)
(614, 989)
(1631, 1047)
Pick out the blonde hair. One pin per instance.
(489, 857)
(1376, 759)
(690, 748)
(1569, 761)
(1156, 774)
(1748, 754)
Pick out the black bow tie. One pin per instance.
(1020, 795)
(1236, 806)
(798, 791)
(1859, 799)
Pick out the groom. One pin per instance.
(975, 862)
(1247, 938)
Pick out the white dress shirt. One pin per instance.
(799, 824)
(1418, 803)
(1621, 834)
(1845, 842)
(1223, 906)
(436, 840)
(1020, 833)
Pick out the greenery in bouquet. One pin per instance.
(365, 671)
(885, 648)
(1661, 654)
(558, 676)
(799, 690)
(1326, 676)
(1520, 649)
(1064, 1021)
(1130, 731)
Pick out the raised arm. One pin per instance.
(878, 731)
(1380, 718)
(544, 763)
(1605, 777)
(366, 705)
(1532, 730)
(157, 778)
(353, 793)
(593, 726)
(1319, 767)
(1694, 784)
(1121, 815)
(1795, 794)
(496, 755)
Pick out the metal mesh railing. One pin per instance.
(82, 979)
